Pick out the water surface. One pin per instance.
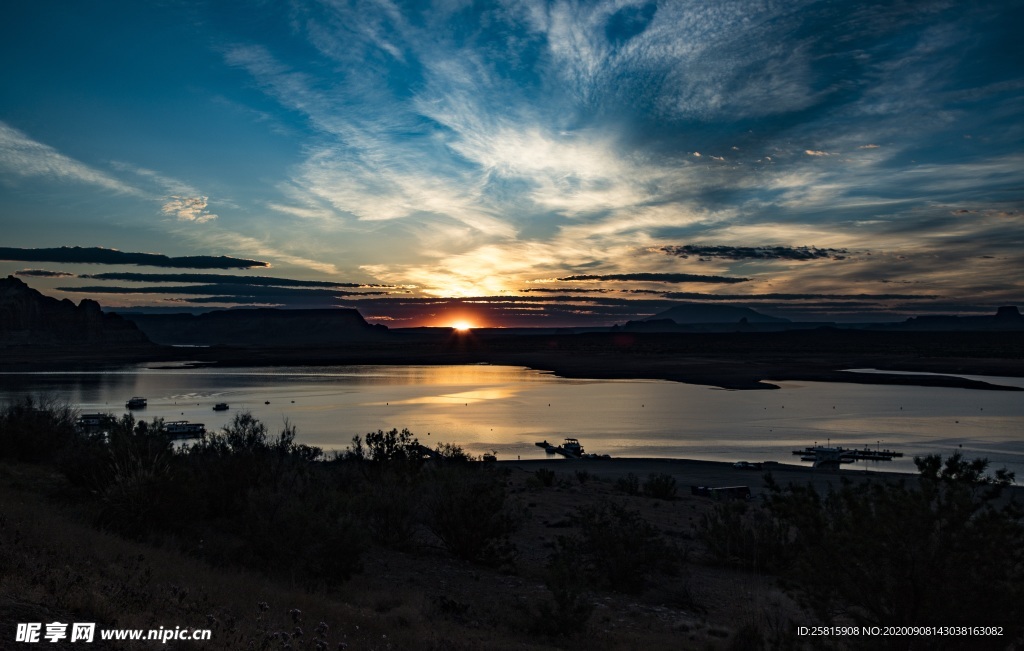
(507, 409)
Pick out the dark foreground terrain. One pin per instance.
(272, 545)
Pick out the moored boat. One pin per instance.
(136, 403)
(571, 449)
(182, 429)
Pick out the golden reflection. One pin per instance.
(462, 397)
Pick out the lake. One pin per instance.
(487, 408)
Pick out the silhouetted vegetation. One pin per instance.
(545, 476)
(243, 496)
(944, 548)
(629, 484)
(36, 429)
(660, 486)
(615, 548)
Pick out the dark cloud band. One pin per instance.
(237, 291)
(99, 255)
(43, 273)
(658, 278)
(224, 279)
(756, 252)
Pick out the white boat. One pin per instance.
(182, 429)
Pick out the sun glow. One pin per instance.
(462, 326)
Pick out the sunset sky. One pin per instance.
(519, 162)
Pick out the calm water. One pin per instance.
(507, 409)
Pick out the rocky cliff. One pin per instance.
(28, 318)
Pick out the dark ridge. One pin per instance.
(28, 318)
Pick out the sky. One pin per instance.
(516, 163)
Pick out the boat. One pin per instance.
(182, 429)
(571, 449)
(221, 406)
(92, 423)
(136, 403)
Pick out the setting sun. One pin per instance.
(462, 326)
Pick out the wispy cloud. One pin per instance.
(22, 156)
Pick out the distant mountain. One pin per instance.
(259, 327)
(30, 318)
(1007, 317)
(697, 313)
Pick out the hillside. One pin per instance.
(28, 318)
(694, 313)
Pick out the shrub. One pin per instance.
(880, 553)
(743, 536)
(661, 486)
(36, 429)
(615, 547)
(389, 505)
(545, 476)
(466, 510)
(630, 484)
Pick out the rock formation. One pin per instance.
(27, 318)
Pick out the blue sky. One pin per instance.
(826, 160)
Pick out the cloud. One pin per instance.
(227, 279)
(798, 297)
(43, 273)
(96, 255)
(756, 252)
(165, 183)
(188, 209)
(656, 277)
(233, 289)
(237, 241)
(22, 156)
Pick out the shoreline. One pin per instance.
(699, 472)
(735, 361)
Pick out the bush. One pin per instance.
(662, 486)
(878, 553)
(36, 429)
(545, 476)
(389, 505)
(743, 536)
(630, 484)
(466, 510)
(615, 547)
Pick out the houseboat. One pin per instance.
(182, 429)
